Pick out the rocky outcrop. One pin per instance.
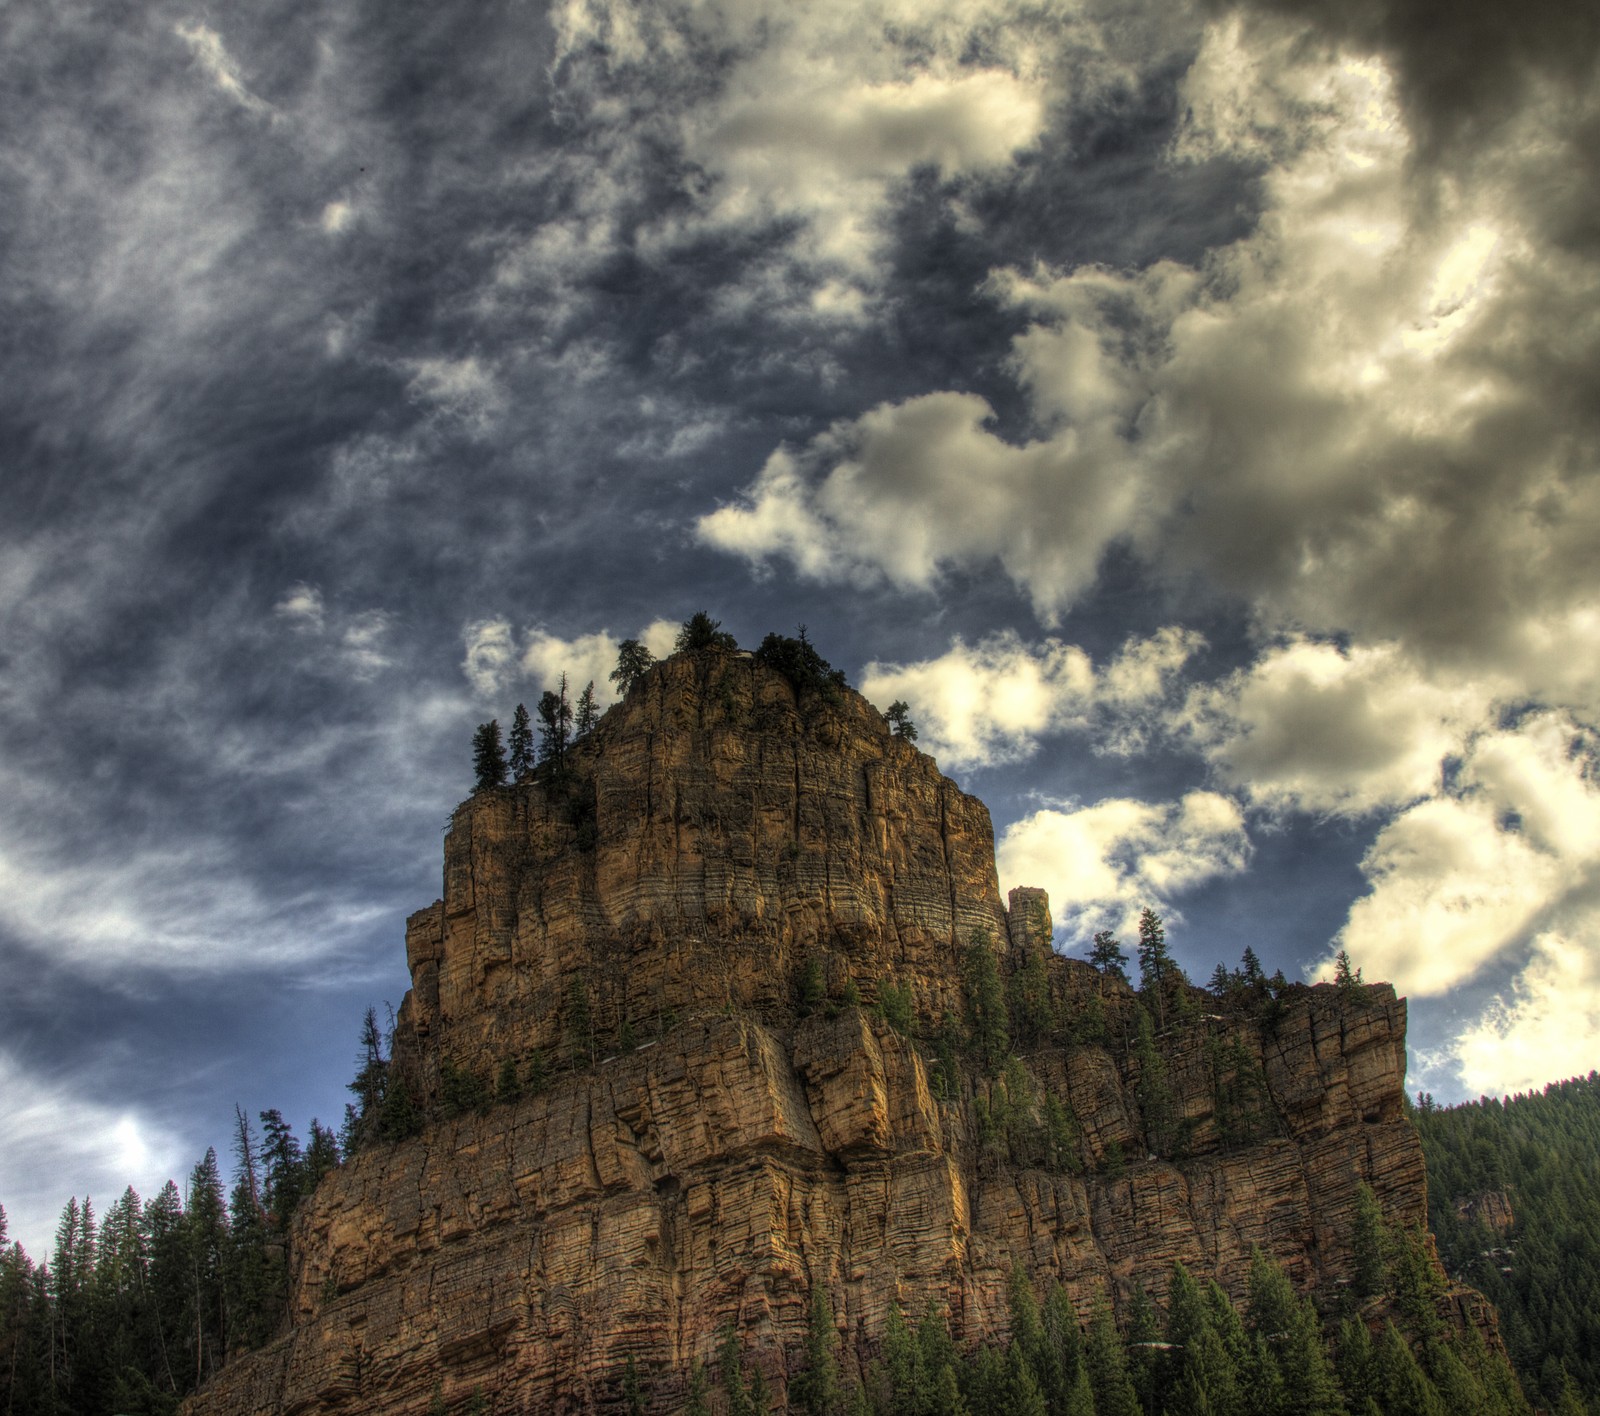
(685, 932)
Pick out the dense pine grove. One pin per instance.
(1541, 1151)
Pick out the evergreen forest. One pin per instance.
(1514, 1202)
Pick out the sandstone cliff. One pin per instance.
(685, 932)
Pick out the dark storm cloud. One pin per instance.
(1463, 69)
(332, 338)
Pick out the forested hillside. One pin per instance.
(1514, 1199)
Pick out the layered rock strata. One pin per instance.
(685, 930)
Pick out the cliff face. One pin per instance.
(685, 933)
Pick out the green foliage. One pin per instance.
(1107, 1366)
(817, 1389)
(555, 725)
(1158, 973)
(1369, 1238)
(1242, 1104)
(461, 1091)
(538, 1077)
(1162, 1129)
(899, 717)
(1028, 1007)
(798, 661)
(1541, 1151)
(521, 744)
(633, 659)
(811, 989)
(700, 631)
(695, 1402)
(1113, 1164)
(1345, 976)
(488, 757)
(895, 1007)
(739, 1398)
(945, 1076)
(1107, 955)
(383, 1110)
(632, 1389)
(588, 712)
(507, 1085)
(580, 1023)
(1060, 1136)
(1416, 1283)
(987, 1027)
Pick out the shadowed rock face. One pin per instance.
(703, 1153)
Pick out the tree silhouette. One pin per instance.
(488, 756)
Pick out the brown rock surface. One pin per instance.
(704, 1154)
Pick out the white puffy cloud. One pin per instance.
(1366, 418)
(1312, 727)
(911, 488)
(1459, 881)
(1549, 1027)
(982, 704)
(819, 116)
(823, 142)
(53, 1128)
(1103, 863)
(496, 662)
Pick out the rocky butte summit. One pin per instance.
(741, 968)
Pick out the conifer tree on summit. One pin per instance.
(521, 744)
(555, 724)
(632, 661)
(488, 756)
(588, 712)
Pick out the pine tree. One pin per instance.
(1019, 1390)
(370, 1086)
(1368, 1237)
(1107, 1366)
(206, 1217)
(521, 744)
(986, 1004)
(1155, 1091)
(1107, 955)
(633, 659)
(1147, 1361)
(1156, 967)
(632, 1390)
(700, 631)
(1404, 1386)
(488, 757)
(899, 717)
(902, 1364)
(588, 711)
(695, 1403)
(816, 1389)
(728, 1362)
(555, 724)
(1291, 1326)
(1062, 1366)
(1346, 976)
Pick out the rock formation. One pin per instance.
(739, 934)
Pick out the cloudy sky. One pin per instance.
(1190, 409)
